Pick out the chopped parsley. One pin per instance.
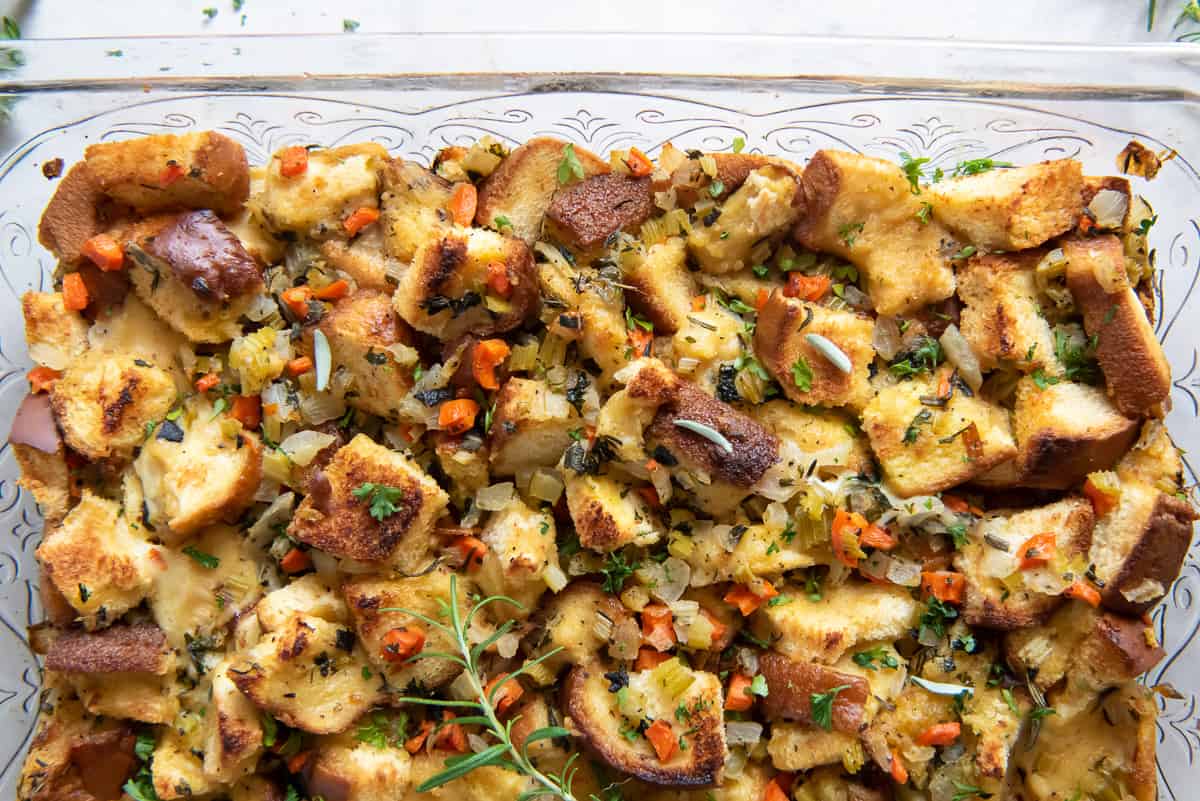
(913, 172)
(924, 212)
(270, 730)
(144, 747)
(716, 188)
(381, 498)
(1012, 703)
(780, 600)
(868, 658)
(738, 144)
(570, 166)
(633, 321)
(936, 615)
(812, 587)
(1042, 379)
(965, 253)
(976, 166)
(501, 222)
(958, 534)
(802, 375)
(349, 25)
(381, 731)
(201, 558)
(760, 270)
(822, 706)
(617, 569)
(209, 12)
(850, 231)
(964, 791)
(1078, 361)
(923, 355)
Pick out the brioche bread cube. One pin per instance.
(341, 523)
(662, 286)
(815, 431)
(259, 241)
(608, 514)
(1011, 209)
(343, 766)
(415, 206)
(762, 207)
(364, 260)
(521, 188)
(531, 426)
(582, 215)
(360, 328)
(336, 183)
(1002, 318)
(861, 209)
(927, 448)
(1153, 459)
(176, 767)
(1135, 368)
(67, 738)
(234, 732)
(781, 342)
(1002, 595)
(201, 170)
(45, 476)
(798, 747)
(55, 335)
(521, 545)
(77, 211)
(308, 595)
(597, 313)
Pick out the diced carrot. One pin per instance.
(658, 629)
(296, 762)
(1086, 223)
(415, 743)
(293, 161)
(1083, 591)
(808, 287)
(974, 445)
(652, 465)
(945, 585)
(1102, 502)
(761, 298)
(899, 772)
(774, 791)
(1036, 551)
(699, 302)
(360, 219)
(338, 289)
(403, 643)
(507, 695)
(42, 378)
(943, 387)
(497, 279)
(739, 699)
(295, 560)
(472, 550)
(719, 629)
(457, 416)
(747, 600)
(640, 339)
(462, 203)
(954, 503)
(247, 410)
(663, 739)
(299, 366)
(296, 299)
(649, 658)
(488, 355)
(940, 734)
(171, 173)
(452, 736)
(637, 162)
(207, 381)
(75, 292)
(878, 537)
(105, 252)
(844, 536)
(650, 495)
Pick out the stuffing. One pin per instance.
(1002, 316)
(568, 622)
(584, 214)
(466, 467)
(818, 431)
(862, 210)
(716, 554)
(334, 184)
(795, 747)
(415, 206)
(132, 329)
(363, 259)
(926, 448)
(104, 404)
(360, 328)
(521, 189)
(344, 768)
(46, 477)
(1011, 209)
(322, 657)
(531, 426)
(78, 211)
(764, 206)
(1000, 594)
(1135, 368)
(97, 562)
(371, 526)
(708, 340)
(55, 335)
(234, 732)
(202, 170)
(194, 472)
(608, 515)
(259, 241)
(488, 783)
(791, 686)
(593, 307)
(782, 343)
(307, 595)
(1153, 459)
(176, 769)
(521, 545)
(662, 287)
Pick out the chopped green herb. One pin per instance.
(1012, 702)
(570, 166)
(812, 587)
(1144, 227)
(868, 658)
(633, 321)
(501, 222)
(936, 615)
(1078, 361)
(923, 355)
(270, 729)
(201, 558)
(758, 686)
(849, 232)
(964, 791)
(617, 569)
(738, 144)
(143, 749)
(914, 428)
(716, 188)
(965, 253)
(114, 53)
(802, 375)
(209, 12)
(913, 172)
(760, 270)
(976, 166)
(958, 534)
(924, 212)
(380, 731)
(11, 29)
(822, 706)
(382, 499)
(349, 25)
(1042, 379)
(220, 406)
(780, 600)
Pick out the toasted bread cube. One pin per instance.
(608, 515)
(202, 170)
(1139, 546)
(1153, 459)
(126, 671)
(923, 449)
(862, 209)
(797, 747)
(1064, 432)
(190, 599)
(486, 783)
(258, 240)
(847, 614)
(103, 404)
(1135, 368)
(416, 208)
(45, 476)
(77, 211)
(133, 329)
(1002, 595)
(1011, 209)
(691, 183)
(308, 595)
(584, 214)
(521, 545)
(318, 656)
(364, 260)
(360, 328)
(1002, 319)
(791, 685)
(570, 618)
(194, 474)
(522, 187)
(235, 734)
(662, 286)
(366, 596)
(600, 329)
(345, 767)
(343, 525)
(176, 769)
(712, 337)
(96, 561)
(761, 550)
(781, 342)
(445, 292)
(762, 207)
(337, 182)
(531, 426)
(817, 431)
(465, 467)
(54, 334)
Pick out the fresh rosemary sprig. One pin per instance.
(482, 711)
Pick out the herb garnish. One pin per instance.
(976, 166)
(382, 499)
(570, 166)
(802, 375)
(822, 706)
(203, 559)
(617, 569)
(913, 172)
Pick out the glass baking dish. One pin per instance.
(785, 95)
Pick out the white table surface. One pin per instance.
(1094, 21)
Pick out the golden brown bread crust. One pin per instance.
(78, 211)
(46, 477)
(691, 183)
(362, 324)
(133, 648)
(1156, 556)
(584, 214)
(1124, 650)
(791, 685)
(1134, 366)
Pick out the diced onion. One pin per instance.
(262, 307)
(602, 626)
(687, 365)
(477, 743)
(303, 446)
(325, 564)
(545, 485)
(321, 407)
(1109, 208)
(666, 581)
(904, 572)
(747, 660)
(626, 639)
(960, 354)
(322, 359)
(554, 577)
(876, 565)
(886, 338)
(279, 511)
(743, 732)
(495, 497)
